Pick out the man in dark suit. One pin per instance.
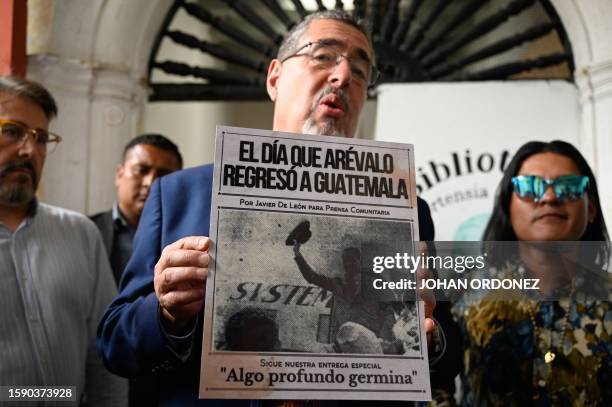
(318, 83)
(145, 158)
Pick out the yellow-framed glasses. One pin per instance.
(14, 132)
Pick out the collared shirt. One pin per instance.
(123, 238)
(56, 284)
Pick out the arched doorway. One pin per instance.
(95, 57)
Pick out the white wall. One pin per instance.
(192, 125)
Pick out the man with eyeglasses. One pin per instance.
(318, 84)
(56, 280)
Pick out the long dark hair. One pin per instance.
(499, 227)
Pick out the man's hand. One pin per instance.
(180, 281)
(426, 295)
(430, 302)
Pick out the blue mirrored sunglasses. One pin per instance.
(566, 187)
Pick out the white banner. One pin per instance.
(464, 134)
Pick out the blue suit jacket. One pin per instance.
(130, 338)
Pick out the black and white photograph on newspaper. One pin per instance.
(294, 309)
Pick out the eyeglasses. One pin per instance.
(327, 56)
(14, 132)
(566, 188)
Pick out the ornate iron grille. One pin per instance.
(414, 40)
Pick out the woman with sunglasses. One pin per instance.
(529, 351)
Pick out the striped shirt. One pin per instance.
(56, 283)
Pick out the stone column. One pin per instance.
(99, 111)
(92, 55)
(588, 26)
(595, 86)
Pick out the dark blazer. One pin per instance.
(104, 222)
(108, 229)
(130, 339)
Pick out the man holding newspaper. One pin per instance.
(318, 83)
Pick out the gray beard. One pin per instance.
(16, 194)
(328, 128)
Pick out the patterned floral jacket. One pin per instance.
(506, 343)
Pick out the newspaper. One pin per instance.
(290, 310)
